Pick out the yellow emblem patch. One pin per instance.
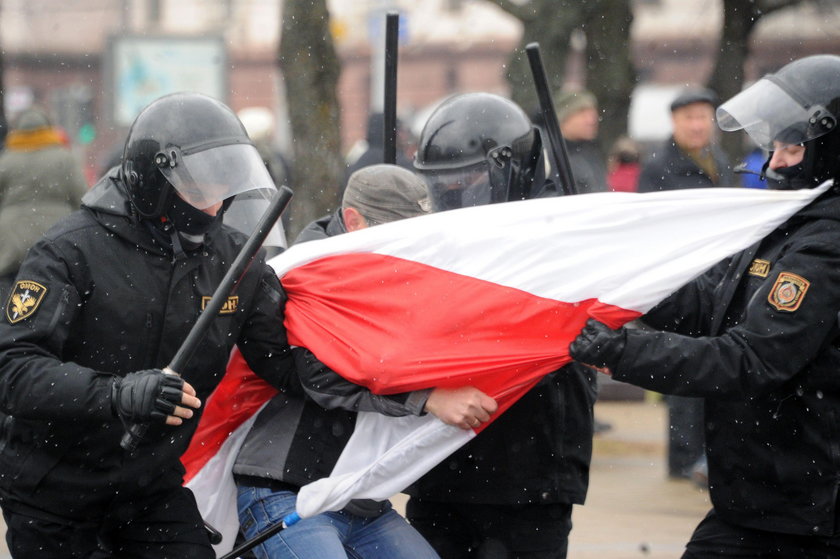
(24, 300)
(229, 307)
(788, 292)
(759, 268)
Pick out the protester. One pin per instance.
(688, 159)
(508, 492)
(100, 305)
(757, 338)
(40, 182)
(289, 447)
(577, 113)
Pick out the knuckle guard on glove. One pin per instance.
(146, 396)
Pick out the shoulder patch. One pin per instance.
(24, 300)
(788, 292)
(759, 268)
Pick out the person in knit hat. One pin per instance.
(40, 182)
(577, 114)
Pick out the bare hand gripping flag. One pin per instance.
(489, 296)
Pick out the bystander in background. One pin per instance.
(40, 182)
(577, 113)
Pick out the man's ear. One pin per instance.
(353, 220)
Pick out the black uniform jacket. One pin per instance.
(757, 336)
(98, 297)
(536, 452)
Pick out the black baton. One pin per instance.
(558, 151)
(392, 25)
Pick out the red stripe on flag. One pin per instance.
(238, 396)
(395, 325)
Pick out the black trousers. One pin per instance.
(474, 531)
(686, 434)
(169, 528)
(716, 538)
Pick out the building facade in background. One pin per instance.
(93, 62)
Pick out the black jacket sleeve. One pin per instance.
(34, 382)
(764, 350)
(330, 390)
(687, 310)
(263, 340)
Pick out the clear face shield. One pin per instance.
(768, 113)
(205, 177)
(246, 210)
(486, 182)
(459, 188)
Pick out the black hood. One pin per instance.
(108, 195)
(108, 201)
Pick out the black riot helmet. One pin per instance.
(195, 146)
(799, 104)
(478, 148)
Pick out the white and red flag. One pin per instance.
(489, 296)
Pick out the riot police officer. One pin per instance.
(100, 304)
(758, 338)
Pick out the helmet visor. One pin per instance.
(459, 188)
(207, 177)
(768, 113)
(247, 209)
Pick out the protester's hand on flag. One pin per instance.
(598, 346)
(464, 407)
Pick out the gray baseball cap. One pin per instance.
(383, 193)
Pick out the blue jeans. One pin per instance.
(330, 535)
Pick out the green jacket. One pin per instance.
(40, 182)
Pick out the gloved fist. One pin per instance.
(598, 345)
(146, 396)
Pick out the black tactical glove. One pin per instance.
(598, 345)
(146, 396)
